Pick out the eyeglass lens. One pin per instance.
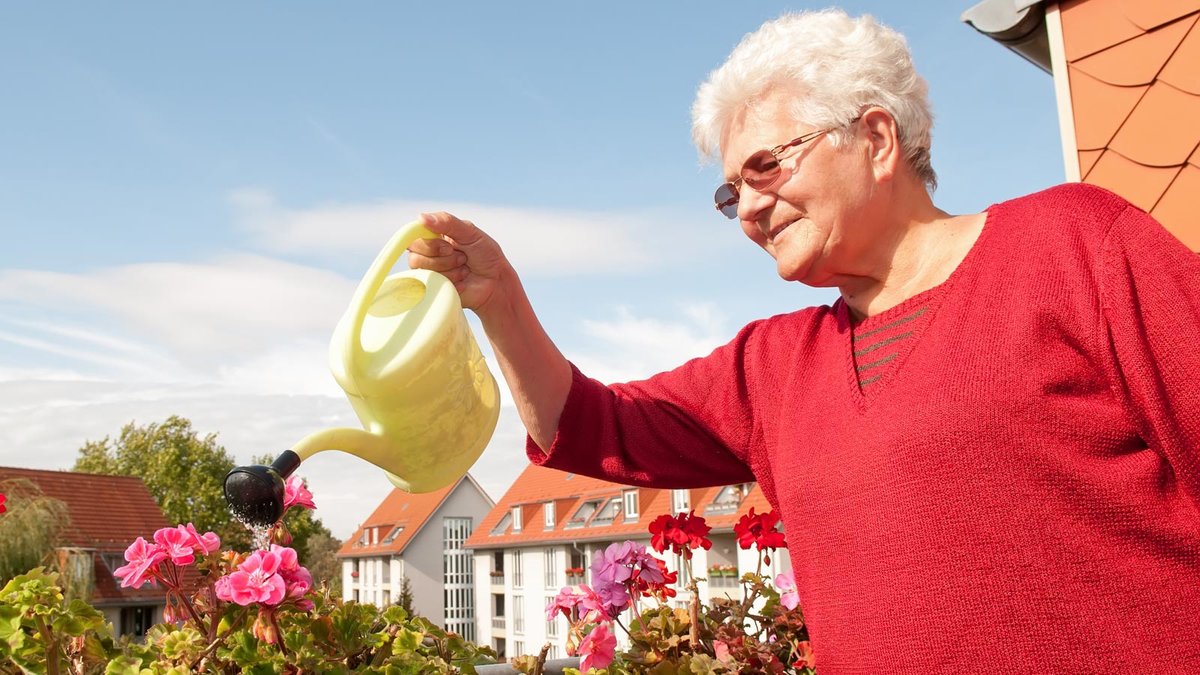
(760, 171)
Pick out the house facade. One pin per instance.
(1127, 83)
(106, 514)
(420, 537)
(542, 534)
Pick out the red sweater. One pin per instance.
(1021, 489)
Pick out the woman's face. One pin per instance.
(813, 220)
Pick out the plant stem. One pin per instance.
(51, 647)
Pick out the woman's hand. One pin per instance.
(465, 255)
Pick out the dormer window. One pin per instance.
(607, 513)
(516, 518)
(548, 515)
(584, 513)
(631, 504)
(680, 501)
(502, 526)
(726, 501)
(392, 535)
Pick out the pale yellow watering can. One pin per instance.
(407, 359)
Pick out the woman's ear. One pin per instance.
(883, 138)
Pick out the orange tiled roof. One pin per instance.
(399, 509)
(106, 514)
(537, 486)
(1134, 74)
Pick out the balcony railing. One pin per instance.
(498, 622)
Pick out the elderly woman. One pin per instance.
(986, 453)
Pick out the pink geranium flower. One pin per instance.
(572, 598)
(255, 580)
(207, 542)
(295, 494)
(143, 558)
(3, 498)
(786, 583)
(597, 648)
(176, 542)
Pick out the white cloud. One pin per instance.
(630, 347)
(539, 242)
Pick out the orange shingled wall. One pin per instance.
(1134, 74)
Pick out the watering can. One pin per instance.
(409, 364)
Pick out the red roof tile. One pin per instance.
(107, 512)
(538, 485)
(402, 509)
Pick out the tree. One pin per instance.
(184, 472)
(406, 596)
(30, 528)
(322, 562)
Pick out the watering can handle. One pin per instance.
(373, 281)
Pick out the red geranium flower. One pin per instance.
(3, 508)
(680, 533)
(759, 530)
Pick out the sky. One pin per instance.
(190, 192)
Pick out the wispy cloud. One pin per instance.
(539, 242)
(627, 347)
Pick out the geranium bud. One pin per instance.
(264, 628)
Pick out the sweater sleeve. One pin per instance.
(1151, 305)
(689, 427)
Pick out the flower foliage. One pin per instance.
(762, 632)
(226, 612)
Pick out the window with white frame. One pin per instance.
(458, 577)
(518, 614)
(518, 648)
(550, 564)
(680, 502)
(516, 518)
(518, 573)
(548, 513)
(631, 504)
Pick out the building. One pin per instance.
(419, 537)
(106, 514)
(543, 532)
(1127, 82)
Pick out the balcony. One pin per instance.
(498, 622)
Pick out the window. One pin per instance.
(518, 576)
(392, 535)
(583, 513)
(550, 561)
(365, 539)
(680, 502)
(607, 513)
(502, 526)
(518, 648)
(726, 501)
(136, 620)
(516, 518)
(518, 614)
(552, 624)
(548, 511)
(631, 504)
(458, 583)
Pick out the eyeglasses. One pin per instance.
(760, 172)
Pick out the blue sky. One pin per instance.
(189, 193)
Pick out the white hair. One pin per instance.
(838, 66)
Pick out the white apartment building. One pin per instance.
(421, 537)
(542, 534)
